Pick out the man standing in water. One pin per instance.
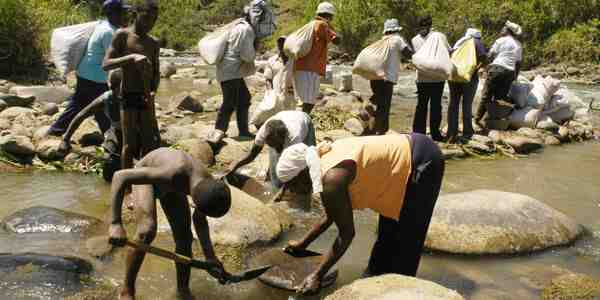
(91, 79)
(137, 53)
(169, 175)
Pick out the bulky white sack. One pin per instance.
(526, 117)
(433, 58)
(543, 90)
(276, 99)
(69, 44)
(561, 115)
(299, 43)
(212, 46)
(370, 63)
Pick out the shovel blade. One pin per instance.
(248, 275)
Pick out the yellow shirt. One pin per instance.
(383, 167)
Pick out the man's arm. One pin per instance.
(91, 109)
(114, 58)
(245, 42)
(311, 236)
(250, 157)
(337, 204)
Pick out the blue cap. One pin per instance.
(110, 5)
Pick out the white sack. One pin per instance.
(212, 46)
(299, 43)
(433, 58)
(370, 63)
(69, 44)
(526, 117)
(276, 99)
(543, 90)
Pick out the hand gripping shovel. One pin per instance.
(230, 278)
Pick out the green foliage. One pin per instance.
(581, 43)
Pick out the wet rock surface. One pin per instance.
(287, 272)
(41, 276)
(392, 287)
(572, 286)
(493, 222)
(41, 219)
(42, 93)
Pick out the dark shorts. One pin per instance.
(133, 101)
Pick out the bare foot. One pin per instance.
(127, 294)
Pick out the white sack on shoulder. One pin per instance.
(212, 46)
(299, 43)
(69, 44)
(370, 63)
(433, 58)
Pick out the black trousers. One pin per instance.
(382, 98)
(497, 86)
(236, 97)
(464, 92)
(400, 243)
(86, 91)
(429, 95)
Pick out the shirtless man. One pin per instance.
(137, 53)
(107, 103)
(169, 175)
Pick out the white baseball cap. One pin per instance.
(326, 8)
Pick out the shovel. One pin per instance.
(182, 259)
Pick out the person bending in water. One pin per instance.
(108, 103)
(397, 176)
(169, 175)
(137, 53)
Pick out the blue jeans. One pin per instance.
(86, 91)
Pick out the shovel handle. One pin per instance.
(161, 252)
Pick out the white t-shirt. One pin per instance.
(296, 122)
(418, 41)
(508, 52)
(398, 44)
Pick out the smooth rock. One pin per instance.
(13, 112)
(494, 222)
(479, 147)
(48, 150)
(3, 105)
(42, 219)
(288, 272)
(18, 129)
(342, 82)
(171, 135)
(49, 109)
(551, 141)
(14, 100)
(55, 94)
(454, 153)
(355, 126)
(199, 150)
(88, 134)
(167, 69)
(4, 124)
(528, 132)
(394, 287)
(185, 101)
(248, 223)
(573, 71)
(233, 150)
(572, 286)
(31, 275)
(522, 145)
(17, 145)
(40, 133)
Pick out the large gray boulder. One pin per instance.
(186, 102)
(494, 222)
(41, 93)
(17, 145)
(42, 219)
(42, 276)
(394, 287)
(248, 223)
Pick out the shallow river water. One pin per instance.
(565, 177)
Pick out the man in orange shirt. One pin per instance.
(310, 68)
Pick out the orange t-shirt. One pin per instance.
(383, 167)
(316, 60)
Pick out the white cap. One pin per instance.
(514, 28)
(326, 8)
(391, 25)
(294, 159)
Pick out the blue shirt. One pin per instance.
(90, 67)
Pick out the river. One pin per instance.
(565, 178)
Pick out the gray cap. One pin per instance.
(391, 25)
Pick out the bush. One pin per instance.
(18, 38)
(578, 44)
